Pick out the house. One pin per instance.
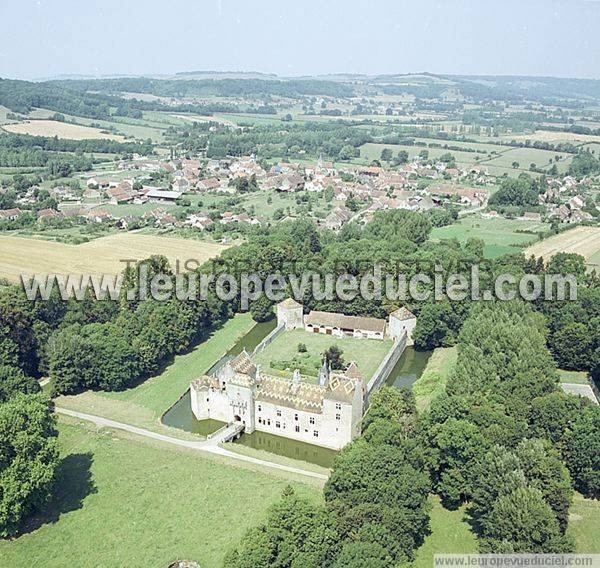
(91, 193)
(290, 182)
(47, 214)
(96, 183)
(10, 214)
(98, 216)
(199, 221)
(208, 184)
(180, 184)
(577, 202)
(128, 222)
(166, 220)
(337, 218)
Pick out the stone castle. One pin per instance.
(326, 413)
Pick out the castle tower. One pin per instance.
(400, 322)
(324, 374)
(290, 314)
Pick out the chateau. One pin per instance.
(325, 413)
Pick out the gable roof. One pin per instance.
(341, 321)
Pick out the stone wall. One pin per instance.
(386, 366)
(268, 339)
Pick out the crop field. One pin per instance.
(551, 136)
(19, 255)
(581, 240)
(60, 129)
(371, 151)
(282, 356)
(525, 157)
(500, 236)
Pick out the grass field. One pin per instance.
(573, 377)
(60, 129)
(19, 255)
(125, 501)
(144, 404)
(367, 353)
(435, 376)
(450, 534)
(499, 235)
(497, 164)
(584, 520)
(581, 240)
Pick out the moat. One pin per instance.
(407, 370)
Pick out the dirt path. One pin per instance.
(207, 446)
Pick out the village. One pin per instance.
(169, 194)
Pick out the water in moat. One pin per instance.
(408, 369)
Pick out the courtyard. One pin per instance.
(283, 355)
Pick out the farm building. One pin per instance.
(290, 315)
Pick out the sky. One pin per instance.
(48, 38)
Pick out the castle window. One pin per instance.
(338, 417)
(316, 433)
(268, 422)
(296, 416)
(279, 413)
(338, 406)
(297, 428)
(260, 420)
(207, 400)
(259, 408)
(311, 420)
(277, 424)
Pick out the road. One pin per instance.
(207, 446)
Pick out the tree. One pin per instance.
(581, 451)
(386, 154)
(28, 458)
(572, 347)
(334, 357)
(377, 484)
(523, 522)
(13, 380)
(402, 157)
(261, 309)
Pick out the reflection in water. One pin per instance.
(180, 416)
(408, 368)
(288, 448)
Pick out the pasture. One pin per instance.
(127, 501)
(60, 129)
(281, 357)
(500, 236)
(20, 255)
(581, 240)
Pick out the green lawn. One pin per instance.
(573, 377)
(450, 534)
(130, 502)
(368, 353)
(584, 520)
(144, 404)
(433, 380)
(499, 235)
